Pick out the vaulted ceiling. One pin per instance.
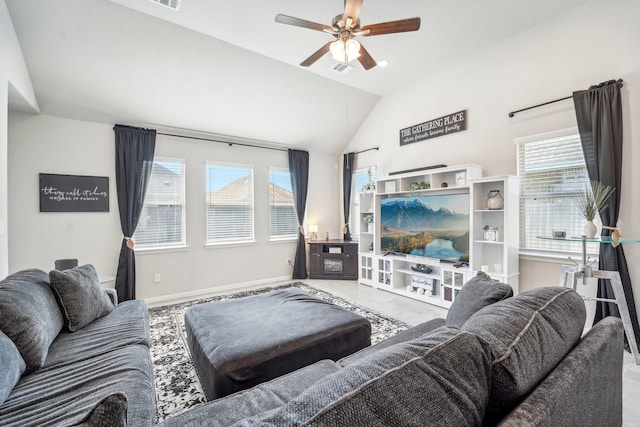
(227, 68)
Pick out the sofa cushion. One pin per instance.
(529, 334)
(477, 293)
(80, 295)
(110, 411)
(66, 395)
(441, 378)
(29, 315)
(261, 398)
(127, 324)
(13, 366)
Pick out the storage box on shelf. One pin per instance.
(494, 231)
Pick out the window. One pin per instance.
(361, 177)
(162, 222)
(284, 219)
(552, 169)
(229, 203)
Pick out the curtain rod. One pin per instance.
(223, 142)
(368, 149)
(513, 113)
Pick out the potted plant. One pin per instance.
(369, 187)
(589, 201)
(368, 219)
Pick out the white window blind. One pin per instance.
(361, 177)
(229, 203)
(284, 219)
(162, 222)
(552, 169)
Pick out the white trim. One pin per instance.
(546, 135)
(160, 250)
(208, 292)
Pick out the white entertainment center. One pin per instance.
(493, 235)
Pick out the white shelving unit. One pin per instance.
(500, 256)
(397, 274)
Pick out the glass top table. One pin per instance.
(583, 270)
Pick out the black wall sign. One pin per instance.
(441, 126)
(74, 193)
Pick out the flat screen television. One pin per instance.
(434, 226)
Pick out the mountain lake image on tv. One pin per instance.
(435, 226)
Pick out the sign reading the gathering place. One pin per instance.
(441, 126)
(74, 193)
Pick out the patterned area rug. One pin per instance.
(177, 384)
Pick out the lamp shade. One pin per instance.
(313, 228)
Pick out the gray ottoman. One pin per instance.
(236, 344)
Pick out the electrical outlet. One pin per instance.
(289, 261)
(156, 277)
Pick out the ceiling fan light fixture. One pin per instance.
(345, 50)
(337, 50)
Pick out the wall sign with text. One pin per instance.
(74, 193)
(441, 126)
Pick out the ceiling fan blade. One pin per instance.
(316, 55)
(290, 20)
(365, 59)
(401, 26)
(352, 10)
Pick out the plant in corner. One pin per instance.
(589, 201)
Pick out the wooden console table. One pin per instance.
(333, 259)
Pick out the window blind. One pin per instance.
(283, 216)
(162, 222)
(552, 170)
(229, 203)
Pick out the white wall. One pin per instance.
(14, 82)
(595, 42)
(39, 143)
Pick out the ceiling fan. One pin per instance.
(345, 27)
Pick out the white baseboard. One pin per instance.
(208, 292)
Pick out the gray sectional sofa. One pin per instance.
(70, 354)
(495, 360)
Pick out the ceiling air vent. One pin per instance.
(341, 67)
(173, 4)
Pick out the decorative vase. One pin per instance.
(495, 200)
(590, 230)
(369, 228)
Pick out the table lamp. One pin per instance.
(313, 232)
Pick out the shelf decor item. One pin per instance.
(490, 233)
(495, 200)
(368, 219)
(414, 186)
(589, 201)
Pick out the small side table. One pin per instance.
(584, 271)
(333, 259)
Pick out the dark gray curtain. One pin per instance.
(299, 169)
(347, 177)
(599, 116)
(134, 159)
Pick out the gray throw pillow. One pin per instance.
(12, 364)
(477, 293)
(80, 296)
(110, 411)
(29, 315)
(529, 335)
(441, 378)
